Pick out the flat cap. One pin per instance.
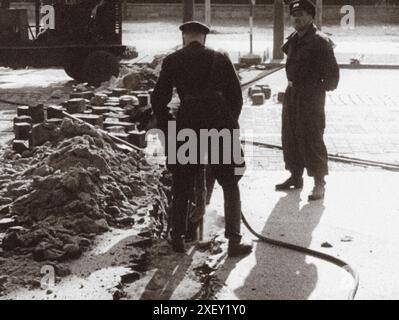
(305, 5)
(195, 26)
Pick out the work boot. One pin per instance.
(237, 249)
(318, 190)
(178, 245)
(294, 181)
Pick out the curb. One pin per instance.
(345, 66)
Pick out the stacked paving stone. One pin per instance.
(121, 112)
(259, 94)
(262, 92)
(27, 117)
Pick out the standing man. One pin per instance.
(193, 70)
(311, 71)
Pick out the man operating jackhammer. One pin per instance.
(211, 97)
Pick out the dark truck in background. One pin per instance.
(82, 36)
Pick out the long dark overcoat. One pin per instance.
(311, 71)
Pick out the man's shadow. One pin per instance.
(281, 273)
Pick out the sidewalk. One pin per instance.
(379, 44)
(358, 218)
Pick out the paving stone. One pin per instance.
(22, 131)
(55, 112)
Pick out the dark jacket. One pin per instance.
(188, 71)
(311, 64)
(312, 70)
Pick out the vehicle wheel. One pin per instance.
(74, 69)
(99, 67)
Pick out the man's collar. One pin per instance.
(195, 44)
(309, 33)
(311, 30)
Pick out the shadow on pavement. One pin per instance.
(281, 273)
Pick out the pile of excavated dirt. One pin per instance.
(138, 78)
(55, 199)
(135, 77)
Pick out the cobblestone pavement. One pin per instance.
(362, 115)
